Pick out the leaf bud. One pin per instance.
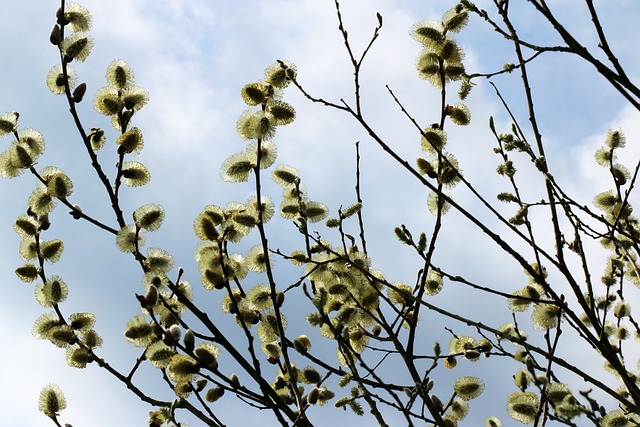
(279, 299)
(150, 299)
(59, 14)
(437, 402)
(78, 92)
(234, 380)
(44, 221)
(172, 335)
(189, 339)
(76, 212)
(530, 364)
(151, 296)
(56, 35)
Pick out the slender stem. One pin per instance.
(359, 199)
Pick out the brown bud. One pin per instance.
(78, 92)
(56, 35)
(200, 385)
(312, 397)
(234, 380)
(189, 340)
(151, 297)
(76, 212)
(44, 222)
(279, 299)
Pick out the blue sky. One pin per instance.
(193, 57)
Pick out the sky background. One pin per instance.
(193, 57)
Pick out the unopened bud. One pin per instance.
(312, 397)
(174, 332)
(60, 16)
(437, 402)
(234, 380)
(78, 92)
(76, 212)
(530, 364)
(44, 221)
(279, 299)
(148, 300)
(151, 297)
(189, 340)
(56, 35)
